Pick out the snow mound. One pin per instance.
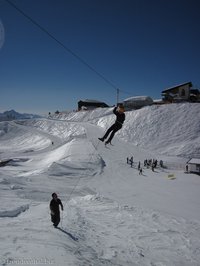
(61, 129)
(80, 158)
(77, 157)
(15, 138)
(14, 212)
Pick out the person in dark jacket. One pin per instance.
(120, 117)
(54, 208)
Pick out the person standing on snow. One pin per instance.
(120, 117)
(54, 208)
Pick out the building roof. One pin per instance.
(175, 87)
(139, 98)
(90, 101)
(194, 161)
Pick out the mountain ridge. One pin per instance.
(13, 115)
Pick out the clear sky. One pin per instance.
(140, 46)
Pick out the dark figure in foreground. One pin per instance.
(55, 211)
(120, 117)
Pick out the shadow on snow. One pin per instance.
(67, 233)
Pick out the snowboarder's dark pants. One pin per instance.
(114, 128)
(55, 219)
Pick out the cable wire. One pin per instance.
(63, 45)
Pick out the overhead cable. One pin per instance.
(61, 44)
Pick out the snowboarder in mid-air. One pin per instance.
(120, 117)
(54, 208)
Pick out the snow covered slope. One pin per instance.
(112, 215)
(169, 129)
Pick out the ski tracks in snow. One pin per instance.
(97, 231)
(110, 234)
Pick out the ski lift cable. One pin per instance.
(63, 45)
(76, 184)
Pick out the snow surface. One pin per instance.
(112, 215)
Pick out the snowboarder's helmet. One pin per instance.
(54, 195)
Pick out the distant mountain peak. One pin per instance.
(13, 115)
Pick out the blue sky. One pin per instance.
(141, 46)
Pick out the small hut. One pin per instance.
(90, 104)
(194, 165)
(137, 102)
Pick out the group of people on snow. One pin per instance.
(151, 163)
(130, 161)
(148, 163)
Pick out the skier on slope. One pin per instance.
(120, 117)
(54, 208)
